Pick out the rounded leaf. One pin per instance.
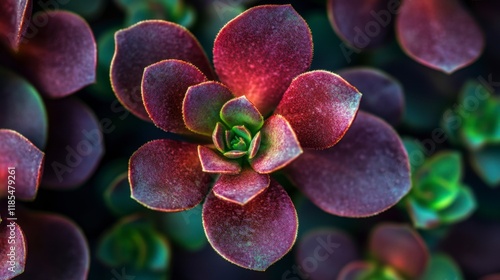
(214, 162)
(14, 19)
(12, 249)
(240, 111)
(241, 188)
(442, 266)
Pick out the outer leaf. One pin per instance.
(213, 162)
(61, 55)
(279, 146)
(461, 208)
(485, 162)
(422, 217)
(258, 53)
(240, 111)
(356, 270)
(184, 228)
(320, 106)
(442, 266)
(455, 41)
(22, 109)
(164, 85)
(255, 235)
(382, 94)
(18, 152)
(75, 145)
(445, 165)
(202, 104)
(365, 174)
(362, 23)
(165, 175)
(241, 188)
(13, 261)
(117, 197)
(400, 247)
(144, 44)
(14, 19)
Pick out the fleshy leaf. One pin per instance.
(60, 56)
(117, 197)
(219, 137)
(435, 193)
(202, 105)
(144, 44)
(241, 188)
(27, 162)
(258, 53)
(331, 249)
(57, 248)
(164, 85)
(253, 149)
(240, 111)
(400, 247)
(279, 146)
(13, 261)
(446, 166)
(320, 107)
(75, 145)
(463, 206)
(184, 228)
(235, 154)
(362, 23)
(14, 19)
(213, 162)
(442, 267)
(166, 175)
(382, 94)
(455, 41)
(256, 234)
(365, 174)
(358, 270)
(422, 217)
(22, 109)
(485, 162)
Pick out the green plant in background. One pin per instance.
(438, 195)
(474, 123)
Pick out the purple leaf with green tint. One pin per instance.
(253, 149)
(235, 154)
(26, 161)
(362, 23)
(144, 44)
(256, 234)
(485, 162)
(365, 174)
(382, 94)
(202, 104)
(57, 248)
(320, 107)
(240, 111)
(13, 261)
(279, 146)
(455, 41)
(258, 53)
(241, 188)
(164, 85)
(14, 19)
(400, 247)
(213, 162)
(331, 249)
(166, 175)
(60, 56)
(22, 109)
(219, 137)
(75, 145)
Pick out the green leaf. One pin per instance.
(486, 162)
(442, 267)
(415, 151)
(117, 197)
(461, 208)
(421, 216)
(446, 166)
(435, 193)
(184, 228)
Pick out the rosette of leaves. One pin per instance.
(438, 195)
(474, 123)
(264, 114)
(427, 31)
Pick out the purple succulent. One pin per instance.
(265, 113)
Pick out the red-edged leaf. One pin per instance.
(164, 85)
(363, 175)
(26, 161)
(13, 261)
(60, 56)
(22, 109)
(202, 105)
(213, 162)
(382, 94)
(240, 111)
(320, 107)
(219, 136)
(400, 247)
(256, 234)
(14, 19)
(279, 146)
(57, 248)
(254, 145)
(330, 249)
(439, 34)
(356, 270)
(258, 53)
(75, 145)
(144, 44)
(241, 188)
(362, 23)
(166, 175)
